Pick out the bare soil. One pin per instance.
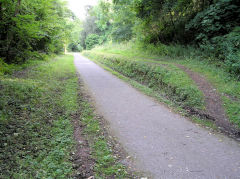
(214, 107)
(83, 163)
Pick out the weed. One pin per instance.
(36, 130)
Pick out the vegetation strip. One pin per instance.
(35, 116)
(175, 84)
(40, 111)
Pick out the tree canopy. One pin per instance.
(211, 25)
(30, 29)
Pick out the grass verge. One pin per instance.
(172, 82)
(37, 110)
(36, 130)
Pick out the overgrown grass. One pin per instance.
(135, 50)
(6, 69)
(227, 85)
(35, 117)
(36, 132)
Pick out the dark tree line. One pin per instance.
(211, 25)
(32, 28)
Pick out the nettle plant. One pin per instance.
(216, 30)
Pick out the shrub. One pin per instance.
(74, 47)
(226, 49)
(217, 20)
(217, 31)
(4, 68)
(91, 41)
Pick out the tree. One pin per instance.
(91, 41)
(30, 28)
(123, 20)
(74, 42)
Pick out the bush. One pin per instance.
(226, 49)
(217, 20)
(74, 47)
(91, 41)
(217, 32)
(4, 67)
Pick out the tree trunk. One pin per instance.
(17, 8)
(0, 11)
(10, 34)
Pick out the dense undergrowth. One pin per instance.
(35, 116)
(133, 56)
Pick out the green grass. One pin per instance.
(36, 113)
(36, 130)
(6, 69)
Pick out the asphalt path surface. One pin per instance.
(162, 143)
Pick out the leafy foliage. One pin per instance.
(122, 21)
(74, 44)
(163, 20)
(226, 49)
(89, 27)
(91, 41)
(27, 27)
(216, 30)
(219, 19)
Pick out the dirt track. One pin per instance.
(163, 143)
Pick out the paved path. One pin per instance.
(165, 144)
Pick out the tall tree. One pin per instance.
(31, 28)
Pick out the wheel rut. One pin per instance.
(214, 106)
